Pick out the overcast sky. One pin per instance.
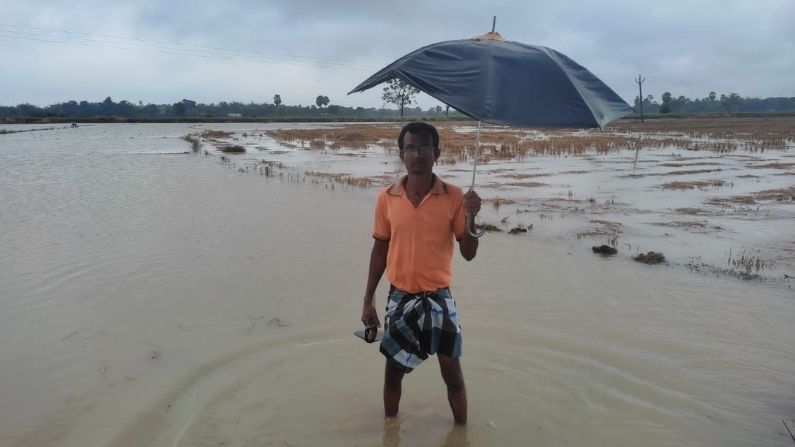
(210, 51)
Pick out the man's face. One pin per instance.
(418, 153)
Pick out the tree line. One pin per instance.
(186, 108)
(714, 103)
(396, 92)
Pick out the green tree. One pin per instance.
(277, 100)
(178, 109)
(322, 101)
(666, 103)
(730, 102)
(400, 93)
(186, 107)
(107, 107)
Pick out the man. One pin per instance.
(416, 220)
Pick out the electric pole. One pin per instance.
(639, 81)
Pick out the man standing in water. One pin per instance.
(416, 220)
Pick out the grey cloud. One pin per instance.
(686, 47)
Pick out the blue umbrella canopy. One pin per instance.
(504, 82)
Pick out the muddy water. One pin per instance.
(154, 298)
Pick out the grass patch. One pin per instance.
(774, 165)
(680, 165)
(488, 228)
(690, 211)
(215, 134)
(662, 174)
(700, 184)
(652, 257)
(526, 184)
(343, 179)
(519, 176)
(232, 149)
(745, 267)
(770, 195)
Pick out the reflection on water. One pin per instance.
(392, 432)
(456, 436)
(163, 300)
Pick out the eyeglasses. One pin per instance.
(417, 149)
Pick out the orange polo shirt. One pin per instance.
(420, 239)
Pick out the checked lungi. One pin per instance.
(418, 325)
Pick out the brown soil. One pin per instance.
(690, 211)
(679, 165)
(700, 184)
(488, 228)
(523, 176)
(496, 202)
(774, 165)
(232, 149)
(692, 226)
(604, 228)
(356, 136)
(768, 131)
(499, 143)
(606, 222)
(347, 179)
(652, 257)
(777, 195)
(526, 184)
(736, 200)
(216, 134)
(660, 174)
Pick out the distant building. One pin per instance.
(234, 115)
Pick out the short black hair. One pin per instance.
(419, 128)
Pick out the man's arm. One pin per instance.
(468, 244)
(377, 267)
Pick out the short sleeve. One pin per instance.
(382, 229)
(459, 220)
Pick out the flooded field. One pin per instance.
(716, 196)
(150, 296)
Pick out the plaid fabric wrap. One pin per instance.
(418, 325)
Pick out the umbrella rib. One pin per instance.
(576, 85)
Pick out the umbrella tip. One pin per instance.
(490, 36)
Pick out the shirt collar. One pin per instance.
(397, 189)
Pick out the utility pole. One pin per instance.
(639, 81)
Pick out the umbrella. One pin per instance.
(502, 82)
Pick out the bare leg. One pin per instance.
(393, 379)
(456, 391)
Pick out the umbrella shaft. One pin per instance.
(475, 161)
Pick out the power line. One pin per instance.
(153, 46)
(160, 42)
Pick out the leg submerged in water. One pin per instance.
(393, 380)
(456, 390)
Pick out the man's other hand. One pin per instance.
(370, 315)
